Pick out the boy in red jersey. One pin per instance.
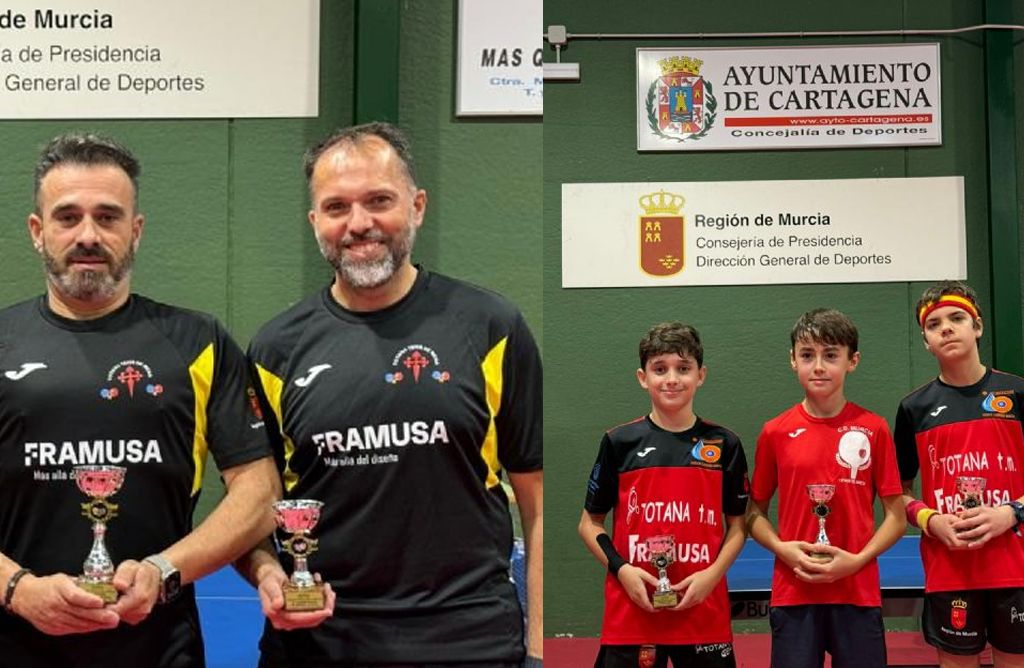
(966, 423)
(667, 473)
(826, 596)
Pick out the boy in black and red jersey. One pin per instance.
(966, 424)
(667, 473)
(826, 595)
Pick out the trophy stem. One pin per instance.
(98, 566)
(822, 538)
(302, 577)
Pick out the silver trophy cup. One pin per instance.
(99, 483)
(303, 591)
(820, 495)
(661, 550)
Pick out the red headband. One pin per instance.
(947, 300)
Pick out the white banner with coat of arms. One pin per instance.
(763, 232)
(803, 97)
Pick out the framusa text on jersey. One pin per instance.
(375, 437)
(75, 453)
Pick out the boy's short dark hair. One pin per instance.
(942, 289)
(825, 325)
(671, 337)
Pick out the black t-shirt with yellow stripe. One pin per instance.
(150, 387)
(400, 421)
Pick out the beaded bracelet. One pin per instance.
(11, 584)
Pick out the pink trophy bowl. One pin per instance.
(971, 488)
(298, 515)
(661, 544)
(99, 482)
(821, 493)
(970, 485)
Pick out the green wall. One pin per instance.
(225, 200)
(592, 334)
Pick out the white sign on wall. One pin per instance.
(763, 232)
(500, 68)
(159, 59)
(772, 98)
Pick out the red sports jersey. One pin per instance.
(662, 482)
(966, 431)
(852, 451)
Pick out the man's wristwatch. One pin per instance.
(170, 578)
(532, 662)
(1018, 514)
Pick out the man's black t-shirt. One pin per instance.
(149, 387)
(400, 421)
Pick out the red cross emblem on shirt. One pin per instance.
(416, 361)
(129, 376)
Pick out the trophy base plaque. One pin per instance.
(664, 599)
(303, 599)
(104, 590)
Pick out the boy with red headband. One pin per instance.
(963, 431)
(826, 456)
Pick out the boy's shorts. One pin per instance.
(719, 655)
(801, 634)
(960, 622)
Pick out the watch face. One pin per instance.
(172, 587)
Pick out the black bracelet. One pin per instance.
(1018, 515)
(615, 560)
(532, 662)
(11, 584)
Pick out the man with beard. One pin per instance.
(96, 375)
(400, 397)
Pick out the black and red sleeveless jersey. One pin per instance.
(660, 482)
(948, 432)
